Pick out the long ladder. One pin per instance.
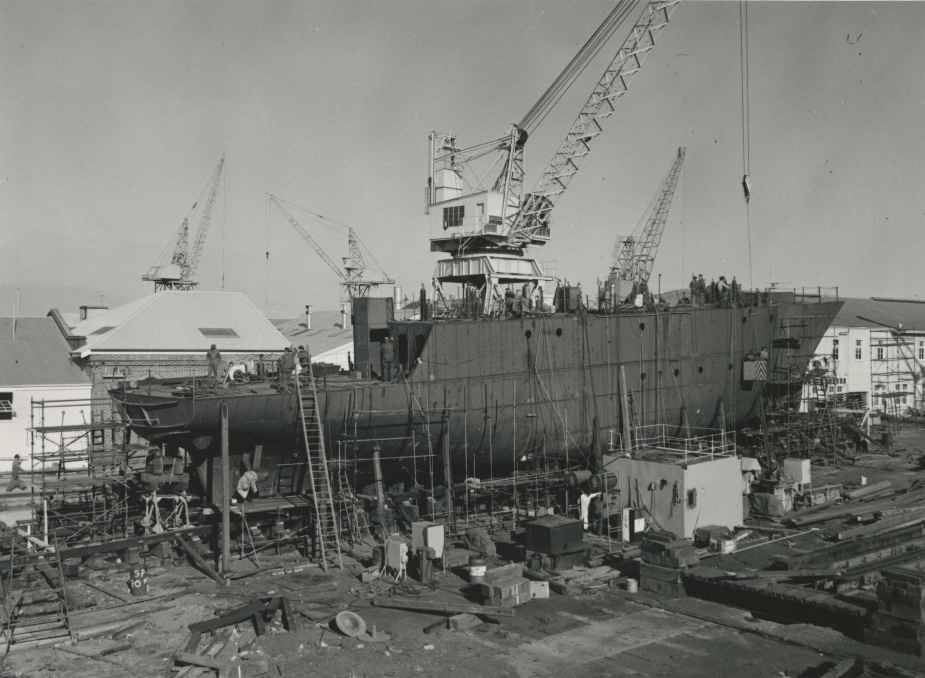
(326, 531)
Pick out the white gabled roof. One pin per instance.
(172, 321)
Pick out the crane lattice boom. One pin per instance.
(195, 253)
(534, 214)
(311, 241)
(635, 258)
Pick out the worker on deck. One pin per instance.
(695, 287)
(735, 291)
(386, 354)
(722, 290)
(214, 358)
(15, 482)
(305, 358)
(247, 486)
(701, 290)
(286, 366)
(260, 367)
(596, 514)
(423, 302)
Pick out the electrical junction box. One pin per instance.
(426, 535)
(554, 535)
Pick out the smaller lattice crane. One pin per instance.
(634, 257)
(354, 268)
(177, 274)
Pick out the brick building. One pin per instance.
(167, 334)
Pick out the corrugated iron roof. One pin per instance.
(882, 313)
(182, 322)
(327, 332)
(36, 355)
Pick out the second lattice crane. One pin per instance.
(634, 256)
(352, 275)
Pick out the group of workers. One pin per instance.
(720, 292)
(285, 365)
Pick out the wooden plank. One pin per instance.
(198, 560)
(882, 526)
(236, 616)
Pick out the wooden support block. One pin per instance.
(461, 622)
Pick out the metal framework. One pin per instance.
(355, 286)
(178, 274)
(634, 259)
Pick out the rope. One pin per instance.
(576, 66)
(746, 131)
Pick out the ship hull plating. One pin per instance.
(490, 392)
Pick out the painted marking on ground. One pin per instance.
(560, 654)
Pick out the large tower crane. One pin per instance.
(178, 274)
(487, 227)
(351, 276)
(634, 257)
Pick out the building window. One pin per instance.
(884, 403)
(879, 350)
(903, 400)
(840, 389)
(877, 387)
(858, 349)
(835, 349)
(104, 330)
(453, 216)
(218, 332)
(6, 405)
(922, 350)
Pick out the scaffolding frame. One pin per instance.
(79, 471)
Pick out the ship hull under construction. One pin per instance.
(489, 392)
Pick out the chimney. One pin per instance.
(308, 316)
(91, 311)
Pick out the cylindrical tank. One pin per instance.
(603, 482)
(138, 581)
(477, 567)
(575, 478)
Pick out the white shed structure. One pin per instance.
(35, 365)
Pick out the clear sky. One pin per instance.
(113, 114)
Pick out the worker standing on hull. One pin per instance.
(214, 358)
(387, 354)
(286, 368)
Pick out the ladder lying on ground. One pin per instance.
(327, 539)
(26, 619)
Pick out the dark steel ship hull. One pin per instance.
(489, 392)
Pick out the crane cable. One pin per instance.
(746, 131)
(576, 66)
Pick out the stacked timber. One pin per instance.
(899, 622)
(505, 587)
(664, 558)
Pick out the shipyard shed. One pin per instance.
(680, 490)
(167, 334)
(329, 340)
(35, 366)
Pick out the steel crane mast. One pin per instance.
(635, 258)
(482, 219)
(178, 274)
(196, 251)
(533, 217)
(354, 265)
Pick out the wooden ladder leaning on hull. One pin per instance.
(327, 543)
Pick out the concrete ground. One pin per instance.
(607, 632)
